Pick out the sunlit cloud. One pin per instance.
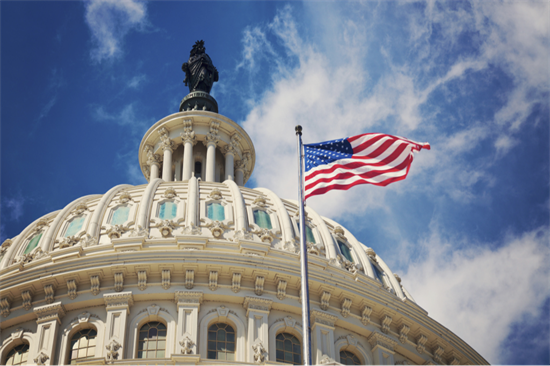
(110, 21)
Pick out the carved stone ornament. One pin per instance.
(281, 289)
(94, 280)
(289, 321)
(112, 351)
(382, 340)
(49, 312)
(365, 315)
(323, 318)
(385, 323)
(325, 298)
(346, 307)
(119, 281)
(260, 201)
(236, 282)
(371, 253)
(192, 229)
(36, 254)
(41, 359)
(26, 296)
(335, 262)
(266, 235)
(242, 235)
(259, 352)
(187, 346)
(339, 232)
(313, 248)
(166, 227)
(146, 171)
(189, 279)
(87, 240)
(41, 224)
(118, 300)
(71, 289)
(116, 231)
(5, 304)
(152, 158)
(438, 352)
(188, 135)
(170, 192)
(325, 359)
(124, 197)
(17, 334)
(165, 278)
(80, 208)
(142, 280)
(397, 277)
(259, 285)
(84, 317)
(421, 343)
(257, 303)
(217, 228)
(5, 245)
(139, 231)
(216, 194)
(350, 266)
(242, 164)
(188, 297)
(67, 242)
(403, 331)
(213, 281)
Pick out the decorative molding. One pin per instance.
(260, 201)
(217, 228)
(118, 300)
(124, 196)
(165, 279)
(5, 304)
(403, 331)
(142, 279)
(49, 312)
(49, 291)
(325, 298)
(421, 343)
(119, 281)
(242, 235)
(281, 289)
(438, 352)
(346, 307)
(166, 143)
(385, 323)
(116, 231)
(256, 303)
(187, 346)
(259, 285)
(323, 318)
(188, 135)
(236, 282)
(112, 351)
(259, 352)
(365, 315)
(80, 208)
(325, 359)
(27, 299)
(266, 235)
(188, 297)
(41, 359)
(213, 281)
(71, 286)
(189, 279)
(371, 253)
(215, 194)
(94, 280)
(381, 340)
(67, 242)
(192, 229)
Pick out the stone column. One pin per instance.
(168, 147)
(322, 337)
(48, 320)
(240, 167)
(153, 162)
(188, 139)
(188, 303)
(118, 309)
(211, 142)
(257, 312)
(229, 156)
(382, 348)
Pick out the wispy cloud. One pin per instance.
(55, 83)
(481, 293)
(13, 206)
(109, 22)
(137, 81)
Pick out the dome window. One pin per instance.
(262, 219)
(33, 243)
(348, 358)
(18, 355)
(75, 226)
(289, 349)
(120, 215)
(215, 211)
(168, 210)
(152, 340)
(82, 345)
(345, 251)
(221, 342)
(309, 234)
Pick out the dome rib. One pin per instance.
(241, 218)
(287, 230)
(146, 203)
(101, 208)
(192, 202)
(325, 232)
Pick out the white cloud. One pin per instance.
(136, 81)
(479, 293)
(14, 207)
(54, 85)
(127, 117)
(110, 21)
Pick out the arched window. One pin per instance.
(345, 251)
(152, 340)
(168, 210)
(309, 234)
(18, 355)
(215, 211)
(289, 349)
(262, 219)
(82, 345)
(75, 226)
(221, 342)
(33, 243)
(120, 215)
(198, 169)
(348, 358)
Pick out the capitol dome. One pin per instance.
(195, 268)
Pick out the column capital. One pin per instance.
(377, 339)
(241, 164)
(120, 300)
(257, 304)
(49, 312)
(211, 139)
(189, 298)
(152, 158)
(166, 143)
(188, 136)
(320, 317)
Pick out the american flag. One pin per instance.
(373, 158)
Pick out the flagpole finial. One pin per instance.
(298, 130)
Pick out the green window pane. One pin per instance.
(120, 215)
(215, 211)
(345, 251)
(168, 210)
(378, 273)
(309, 234)
(262, 219)
(33, 243)
(75, 226)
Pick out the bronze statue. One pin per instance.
(200, 73)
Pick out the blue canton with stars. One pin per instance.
(326, 152)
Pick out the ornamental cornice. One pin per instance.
(188, 297)
(49, 312)
(381, 340)
(323, 318)
(118, 300)
(257, 303)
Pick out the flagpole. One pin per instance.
(306, 347)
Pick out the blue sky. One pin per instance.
(468, 231)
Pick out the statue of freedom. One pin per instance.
(200, 73)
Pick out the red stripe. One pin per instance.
(365, 144)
